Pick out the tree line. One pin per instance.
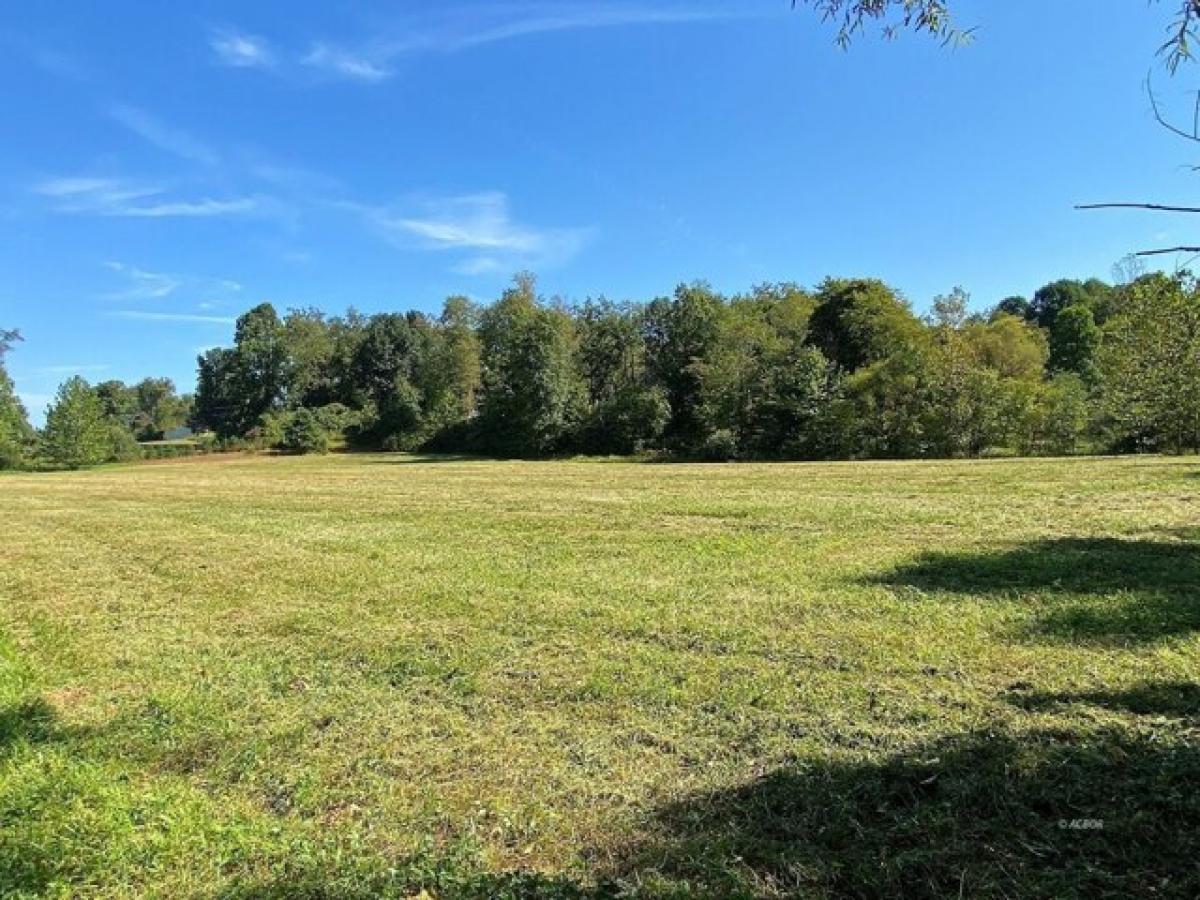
(846, 370)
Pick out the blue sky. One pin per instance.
(161, 171)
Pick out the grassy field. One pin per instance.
(377, 675)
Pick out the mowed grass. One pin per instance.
(374, 675)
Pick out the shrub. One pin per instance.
(304, 433)
(633, 419)
(123, 447)
(720, 446)
(337, 418)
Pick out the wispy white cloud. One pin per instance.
(241, 50)
(49, 59)
(526, 20)
(192, 209)
(447, 28)
(143, 285)
(475, 221)
(346, 64)
(126, 198)
(482, 226)
(480, 265)
(154, 132)
(138, 315)
(93, 190)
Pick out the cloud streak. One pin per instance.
(119, 197)
(154, 132)
(242, 51)
(464, 27)
(143, 285)
(137, 315)
(539, 19)
(481, 226)
(346, 64)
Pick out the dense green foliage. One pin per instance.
(78, 433)
(86, 425)
(148, 409)
(15, 433)
(302, 432)
(843, 371)
(1151, 366)
(531, 396)
(237, 387)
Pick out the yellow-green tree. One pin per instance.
(77, 432)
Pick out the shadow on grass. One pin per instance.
(26, 727)
(422, 459)
(399, 883)
(1044, 814)
(1048, 813)
(31, 721)
(1103, 590)
(1171, 699)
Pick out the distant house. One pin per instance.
(181, 433)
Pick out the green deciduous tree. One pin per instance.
(261, 357)
(858, 322)
(77, 431)
(384, 367)
(1074, 341)
(117, 400)
(1150, 366)
(220, 405)
(237, 387)
(965, 398)
(15, 433)
(532, 397)
(680, 332)
(1011, 346)
(761, 383)
(310, 342)
(880, 414)
(147, 409)
(626, 412)
(457, 370)
(1017, 306)
(1049, 417)
(1053, 298)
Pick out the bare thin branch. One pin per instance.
(1166, 250)
(1193, 135)
(1158, 207)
